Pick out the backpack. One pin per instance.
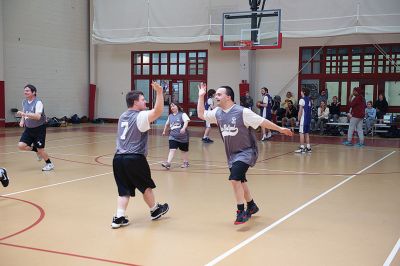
(53, 122)
(75, 119)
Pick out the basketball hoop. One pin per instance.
(245, 45)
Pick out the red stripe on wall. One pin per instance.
(92, 99)
(2, 105)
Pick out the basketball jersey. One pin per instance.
(239, 141)
(31, 108)
(129, 138)
(266, 111)
(306, 116)
(175, 124)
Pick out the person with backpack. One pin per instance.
(33, 119)
(209, 105)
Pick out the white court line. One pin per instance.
(276, 223)
(392, 254)
(57, 184)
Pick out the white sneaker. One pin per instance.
(264, 138)
(269, 135)
(300, 150)
(48, 167)
(39, 158)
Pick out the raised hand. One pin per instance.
(202, 89)
(157, 87)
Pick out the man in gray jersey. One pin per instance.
(34, 120)
(237, 127)
(130, 166)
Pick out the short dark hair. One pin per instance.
(210, 93)
(306, 91)
(131, 97)
(265, 89)
(229, 92)
(180, 109)
(32, 88)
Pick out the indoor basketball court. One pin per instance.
(329, 204)
(336, 206)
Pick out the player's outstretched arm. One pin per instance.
(200, 102)
(159, 104)
(268, 124)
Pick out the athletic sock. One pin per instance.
(308, 146)
(250, 203)
(120, 213)
(154, 208)
(240, 207)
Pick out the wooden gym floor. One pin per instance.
(337, 206)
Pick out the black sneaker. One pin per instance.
(241, 217)
(253, 209)
(161, 210)
(4, 177)
(120, 221)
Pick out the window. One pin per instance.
(373, 67)
(392, 92)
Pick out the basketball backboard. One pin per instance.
(251, 30)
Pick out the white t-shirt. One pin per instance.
(142, 121)
(250, 118)
(38, 107)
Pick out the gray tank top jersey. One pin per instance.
(175, 124)
(31, 108)
(129, 138)
(239, 141)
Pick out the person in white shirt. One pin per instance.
(323, 116)
(209, 105)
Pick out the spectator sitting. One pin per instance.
(381, 106)
(290, 116)
(289, 97)
(334, 109)
(370, 115)
(323, 115)
(323, 96)
(276, 104)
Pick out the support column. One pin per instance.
(92, 68)
(248, 71)
(2, 87)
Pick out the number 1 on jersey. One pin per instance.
(125, 126)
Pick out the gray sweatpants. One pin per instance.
(356, 123)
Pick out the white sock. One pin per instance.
(301, 146)
(120, 213)
(154, 208)
(308, 146)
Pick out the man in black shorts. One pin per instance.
(237, 127)
(34, 120)
(130, 166)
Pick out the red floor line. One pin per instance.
(69, 254)
(42, 214)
